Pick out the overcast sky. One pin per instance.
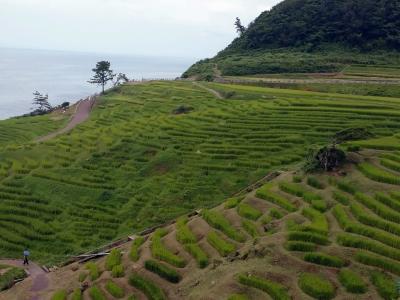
(190, 28)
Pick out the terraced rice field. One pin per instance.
(135, 163)
(320, 236)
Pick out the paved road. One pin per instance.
(81, 114)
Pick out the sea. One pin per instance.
(63, 75)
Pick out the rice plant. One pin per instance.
(77, 294)
(378, 174)
(352, 282)
(300, 246)
(160, 251)
(134, 252)
(232, 202)
(275, 290)
(249, 212)
(324, 259)
(150, 289)
(374, 260)
(316, 286)
(266, 194)
(310, 237)
(94, 272)
(115, 290)
(183, 234)
(162, 270)
(218, 221)
(223, 247)
(113, 259)
(118, 271)
(385, 285)
(198, 253)
(315, 183)
(60, 295)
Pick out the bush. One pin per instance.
(352, 282)
(316, 287)
(77, 295)
(94, 272)
(59, 295)
(340, 197)
(232, 202)
(152, 291)
(378, 261)
(183, 234)
(162, 270)
(96, 294)
(251, 228)
(324, 259)
(308, 237)
(300, 246)
(378, 174)
(117, 271)
(199, 255)
(114, 289)
(385, 285)
(219, 222)
(159, 251)
(223, 247)
(265, 194)
(135, 248)
(113, 259)
(275, 290)
(315, 183)
(249, 212)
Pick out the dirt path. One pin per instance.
(214, 92)
(37, 276)
(83, 109)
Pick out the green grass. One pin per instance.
(324, 259)
(249, 212)
(152, 291)
(59, 295)
(162, 270)
(316, 286)
(223, 247)
(134, 252)
(352, 282)
(385, 285)
(96, 294)
(7, 279)
(115, 290)
(218, 221)
(275, 290)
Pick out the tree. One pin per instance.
(239, 27)
(41, 102)
(103, 74)
(121, 78)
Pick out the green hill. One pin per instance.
(300, 36)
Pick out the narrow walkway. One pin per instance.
(214, 92)
(81, 114)
(40, 282)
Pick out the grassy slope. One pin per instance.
(134, 164)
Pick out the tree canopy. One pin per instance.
(362, 24)
(103, 74)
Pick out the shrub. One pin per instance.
(159, 251)
(300, 246)
(117, 271)
(152, 291)
(324, 259)
(352, 282)
(385, 285)
(311, 237)
(59, 295)
(199, 255)
(94, 272)
(183, 234)
(275, 290)
(114, 289)
(316, 287)
(315, 183)
(113, 259)
(265, 194)
(135, 248)
(378, 261)
(249, 212)
(232, 202)
(378, 174)
(340, 197)
(251, 228)
(162, 270)
(223, 247)
(218, 221)
(77, 295)
(96, 294)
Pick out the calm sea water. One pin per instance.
(64, 75)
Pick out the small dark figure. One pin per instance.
(26, 257)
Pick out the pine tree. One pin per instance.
(103, 74)
(239, 27)
(41, 102)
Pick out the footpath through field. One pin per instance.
(37, 278)
(84, 107)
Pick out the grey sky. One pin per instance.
(191, 28)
